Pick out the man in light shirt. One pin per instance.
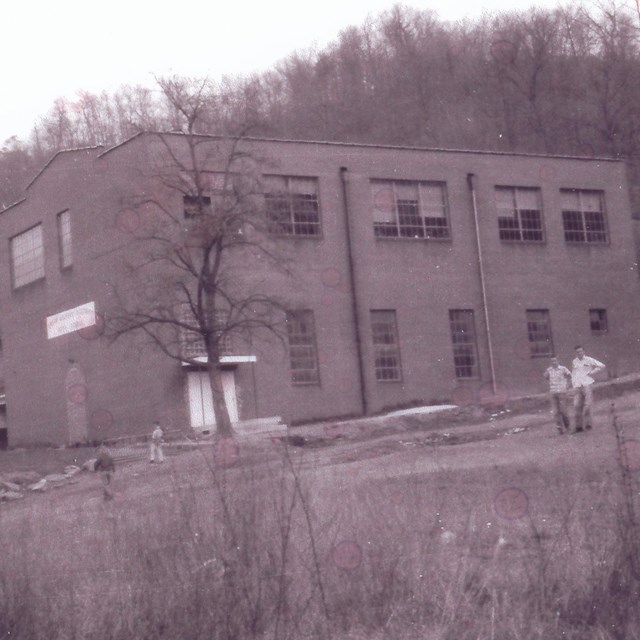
(583, 367)
(559, 378)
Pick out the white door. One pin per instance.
(201, 400)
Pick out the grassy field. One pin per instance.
(525, 536)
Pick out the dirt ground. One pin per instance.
(525, 442)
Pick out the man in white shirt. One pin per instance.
(583, 367)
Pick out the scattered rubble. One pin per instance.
(41, 485)
(15, 484)
(21, 477)
(10, 495)
(514, 430)
(9, 486)
(71, 470)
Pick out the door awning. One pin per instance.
(223, 360)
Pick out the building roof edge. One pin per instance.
(369, 146)
(441, 149)
(54, 156)
(15, 204)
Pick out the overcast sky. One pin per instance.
(54, 48)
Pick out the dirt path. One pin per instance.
(526, 441)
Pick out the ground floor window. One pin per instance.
(598, 320)
(465, 348)
(302, 347)
(539, 332)
(386, 347)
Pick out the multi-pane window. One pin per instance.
(404, 209)
(292, 205)
(64, 239)
(519, 214)
(218, 191)
(27, 256)
(386, 348)
(583, 216)
(539, 332)
(465, 348)
(598, 320)
(195, 206)
(192, 342)
(302, 347)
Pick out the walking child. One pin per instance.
(156, 443)
(559, 378)
(106, 467)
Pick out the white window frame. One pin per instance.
(580, 222)
(192, 343)
(27, 256)
(464, 340)
(386, 345)
(303, 348)
(65, 239)
(283, 216)
(534, 323)
(599, 316)
(515, 223)
(387, 202)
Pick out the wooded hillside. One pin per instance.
(560, 81)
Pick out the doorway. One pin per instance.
(201, 401)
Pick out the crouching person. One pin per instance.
(559, 378)
(106, 467)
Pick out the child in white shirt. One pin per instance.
(156, 443)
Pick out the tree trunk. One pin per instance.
(220, 411)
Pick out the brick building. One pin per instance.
(416, 275)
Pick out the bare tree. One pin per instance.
(196, 262)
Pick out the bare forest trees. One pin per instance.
(554, 81)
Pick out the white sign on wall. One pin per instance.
(71, 320)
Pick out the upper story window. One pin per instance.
(519, 214)
(292, 205)
(27, 257)
(195, 206)
(405, 209)
(303, 357)
(218, 194)
(64, 239)
(583, 216)
(192, 342)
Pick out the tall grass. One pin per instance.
(280, 550)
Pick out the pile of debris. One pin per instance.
(15, 485)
